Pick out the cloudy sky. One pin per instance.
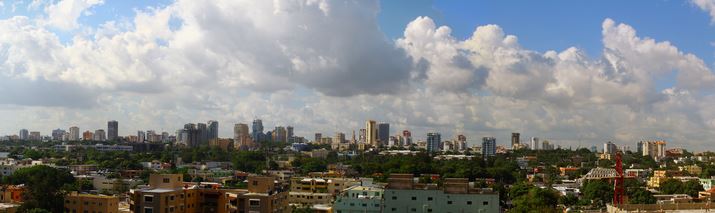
(577, 74)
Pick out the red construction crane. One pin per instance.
(618, 192)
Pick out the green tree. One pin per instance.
(536, 200)
(44, 187)
(671, 186)
(598, 191)
(692, 187)
(640, 196)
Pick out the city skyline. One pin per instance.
(604, 74)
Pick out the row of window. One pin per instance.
(486, 203)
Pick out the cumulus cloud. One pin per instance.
(707, 6)
(64, 14)
(325, 66)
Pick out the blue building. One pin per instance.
(257, 130)
(489, 146)
(434, 142)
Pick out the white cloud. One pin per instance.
(325, 66)
(64, 14)
(707, 6)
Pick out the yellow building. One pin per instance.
(691, 169)
(313, 191)
(659, 176)
(76, 202)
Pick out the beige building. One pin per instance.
(371, 133)
(77, 202)
(691, 169)
(314, 191)
(167, 193)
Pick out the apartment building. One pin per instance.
(359, 199)
(404, 193)
(79, 203)
(312, 191)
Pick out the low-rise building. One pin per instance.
(404, 194)
(77, 202)
(313, 191)
(359, 199)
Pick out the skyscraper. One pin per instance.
(213, 129)
(203, 134)
(24, 134)
(257, 130)
(99, 135)
(514, 139)
(318, 137)
(141, 136)
(289, 134)
(434, 142)
(87, 135)
(112, 130)
(489, 146)
(371, 133)
(362, 136)
(534, 143)
(383, 133)
(35, 136)
(408, 137)
(609, 148)
(57, 134)
(279, 134)
(241, 137)
(339, 137)
(74, 133)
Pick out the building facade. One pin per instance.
(456, 195)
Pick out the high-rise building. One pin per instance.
(383, 132)
(112, 130)
(57, 134)
(74, 133)
(188, 136)
(99, 135)
(362, 136)
(279, 134)
(640, 147)
(257, 130)
(318, 137)
(203, 134)
(339, 137)
(609, 148)
(514, 139)
(545, 145)
(24, 134)
(434, 142)
(534, 143)
(289, 134)
(371, 133)
(213, 129)
(141, 136)
(241, 137)
(489, 146)
(654, 149)
(35, 136)
(407, 137)
(87, 135)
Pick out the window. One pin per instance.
(486, 203)
(148, 210)
(414, 198)
(352, 204)
(394, 209)
(255, 183)
(413, 209)
(364, 204)
(429, 210)
(449, 202)
(254, 202)
(469, 202)
(394, 198)
(148, 198)
(429, 198)
(166, 180)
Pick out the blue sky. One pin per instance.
(559, 24)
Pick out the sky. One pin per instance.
(575, 73)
